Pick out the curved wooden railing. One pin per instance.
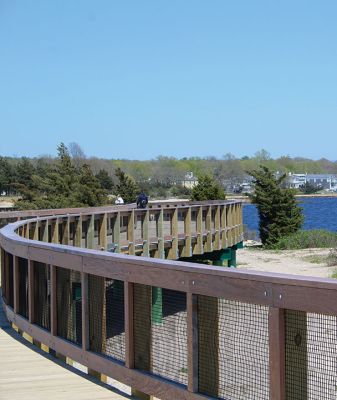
(172, 329)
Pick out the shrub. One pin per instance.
(318, 238)
(279, 213)
(207, 188)
(332, 258)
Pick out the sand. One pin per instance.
(309, 262)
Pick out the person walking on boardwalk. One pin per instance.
(142, 200)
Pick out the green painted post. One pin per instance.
(157, 305)
(232, 261)
(223, 258)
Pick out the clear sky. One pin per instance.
(137, 79)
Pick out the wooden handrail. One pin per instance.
(277, 292)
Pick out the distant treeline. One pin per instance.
(38, 179)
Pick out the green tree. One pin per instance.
(278, 210)
(126, 186)
(309, 188)
(25, 171)
(6, 176)
(105, 180)
(61, 186)
(87, 190)
(207, 189)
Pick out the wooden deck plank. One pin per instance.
(28, 373)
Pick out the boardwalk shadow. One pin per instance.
(6, 328)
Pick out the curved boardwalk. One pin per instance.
(28, 373)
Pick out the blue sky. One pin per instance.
(137, 79)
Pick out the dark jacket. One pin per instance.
(142, 200)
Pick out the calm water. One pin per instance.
(319, 213)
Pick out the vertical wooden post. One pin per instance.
(97, 315)
(173, 253)
(237, 223)
(27, 230)
(142, 332)
(117, 232)
(223, 227)
(53, 309)
(217, 222)
(160, 253)
(296, 355)
(78, 231)
(233, 223)
(277, 353)
(208, 246)
(91, 232)
(36, 230)
(65, 231)
(145, 233)
(187, 250)
(16, 283)
(192, 342)
(103, 239)
(241, 220)
(129, 316)
(85, 311)
(44, 227)
(208, 339)
(31, 307)
(230, 225)
(55, 231)
(200, 239)
(131, 232)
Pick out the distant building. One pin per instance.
(295, 181)
(189, 180)
(239, 184)
(324, 181)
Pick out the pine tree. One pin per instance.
(6, 176)
(278, 210)
(104, 179)
(207, 189)
(126, 187)
(88, 191)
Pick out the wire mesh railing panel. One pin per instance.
(169, 334)
(115, 319)
(41, 295)
(69, 305)
(106, 317)
(233, 349)
(311, 356)
(23, 287)
(142, 300)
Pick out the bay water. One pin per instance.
(319, 213)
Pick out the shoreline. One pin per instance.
(246, 199)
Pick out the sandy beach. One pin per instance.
(310, 262)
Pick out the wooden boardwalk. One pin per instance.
(31, 374)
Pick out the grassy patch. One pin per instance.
(267, 260)
(334, 274)
(332, 258)
(315, 259)
(317, 238)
